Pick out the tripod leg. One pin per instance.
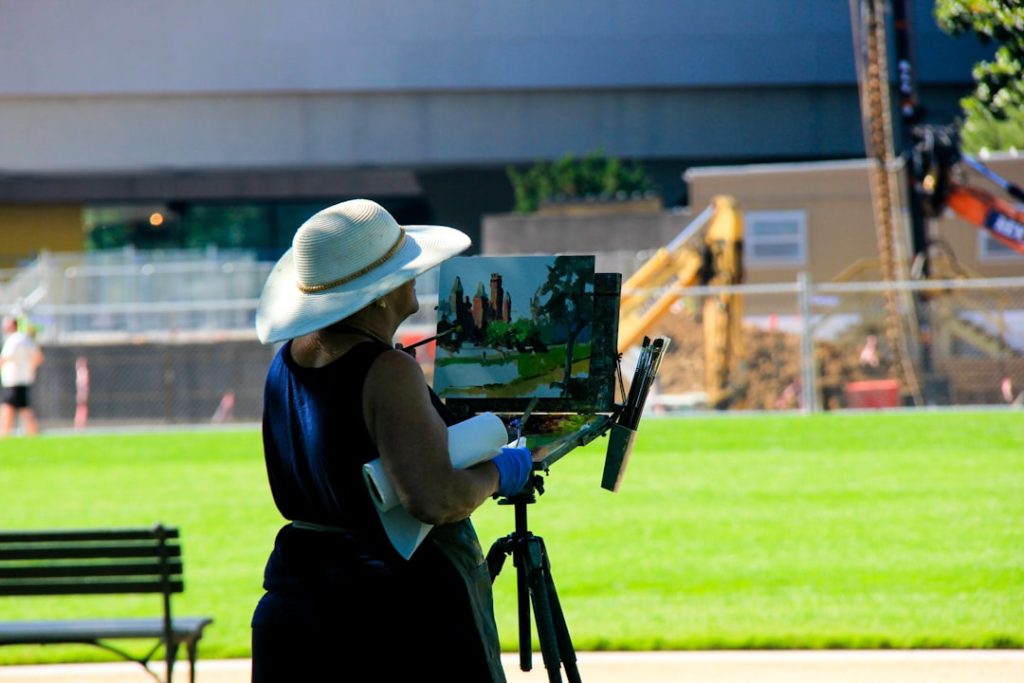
(523, 594)
(542, 611)
(535, 586)
(565, 647)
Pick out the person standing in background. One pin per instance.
(81, 392)
(20, 357)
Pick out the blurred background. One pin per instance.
(156, 159)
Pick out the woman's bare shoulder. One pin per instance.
(394, 362)
(394, 372)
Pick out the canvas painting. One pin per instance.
(514, 327)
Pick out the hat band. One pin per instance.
(312, 289)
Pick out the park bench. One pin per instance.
(99, 562)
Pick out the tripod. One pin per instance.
(533, 581)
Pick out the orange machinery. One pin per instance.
(939, 163)
(1002, 220)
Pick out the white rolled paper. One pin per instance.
(470, 442)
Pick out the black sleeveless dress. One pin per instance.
(343, 601)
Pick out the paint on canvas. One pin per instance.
(515, 327)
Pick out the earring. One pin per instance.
(381, 303)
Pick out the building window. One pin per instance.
(775, 238)
(991, 249)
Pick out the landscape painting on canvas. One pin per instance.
(514, 326)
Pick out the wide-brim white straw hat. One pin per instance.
(342, 259)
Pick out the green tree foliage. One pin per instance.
(519, 335)
(995, 110)
(570, 309)
(595, 175)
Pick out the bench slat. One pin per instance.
(33, 536)
(89, 587)
(61, 552)
(75, 631)
(137, 568)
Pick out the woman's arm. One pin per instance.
(413, 444)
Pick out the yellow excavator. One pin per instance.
(708, 252)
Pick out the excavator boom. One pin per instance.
(717, 259)
(1002, 220)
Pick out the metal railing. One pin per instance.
(184, 295)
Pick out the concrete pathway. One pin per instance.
(889, 666)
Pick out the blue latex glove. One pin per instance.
(514, 467)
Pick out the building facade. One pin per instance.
(165, 122)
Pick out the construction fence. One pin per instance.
(829, 346)
(805, 346)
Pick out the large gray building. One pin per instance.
(264, 110)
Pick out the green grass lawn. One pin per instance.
(861, 530)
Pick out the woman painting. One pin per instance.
(339, 599)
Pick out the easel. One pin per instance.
(534, 582)
(595, 400)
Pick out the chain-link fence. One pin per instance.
(829, 346)
(151, 383)
(182, 348)
(153, 337)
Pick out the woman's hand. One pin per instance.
(514, 467)
(413, 444)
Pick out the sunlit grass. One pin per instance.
(841, 531)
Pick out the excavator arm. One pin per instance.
(938, 161)
(1002, 220)
(637, 314)
(717, 259)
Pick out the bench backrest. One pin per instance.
(91, 562)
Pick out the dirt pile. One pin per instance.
(769, 364)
